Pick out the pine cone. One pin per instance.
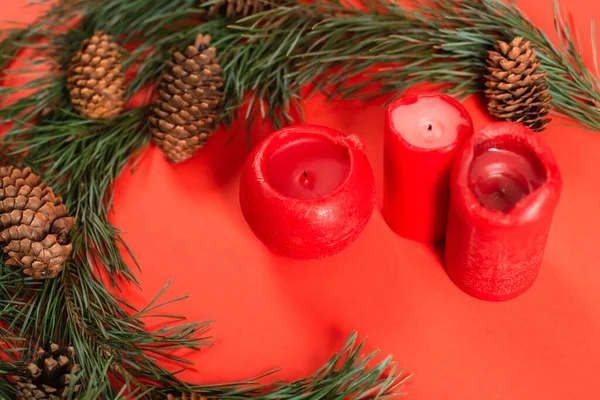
(516, 90)
(189, 101)
(34, 225)
(241, 8)
(49, 375)
(95, 78)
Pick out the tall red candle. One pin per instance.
(504, 188)
(307, 191)
(422, 136)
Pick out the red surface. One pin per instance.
(307, 224)
(491, 254)
(421, 137)
(185, 225)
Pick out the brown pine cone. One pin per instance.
(34, 226)
(241, 8)
(516, 90)
(95, 78)
(49, 375)
(189, 102)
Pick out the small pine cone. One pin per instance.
(241, 8)
(189, 101)
(516, 90)
(49, 375)
(95, 79)
(34, 226)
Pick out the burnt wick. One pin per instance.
(429, 127)
(305, 174)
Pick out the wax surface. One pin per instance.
(308, 168)
(501, 176)
(307, 191)
(505, 186)
(422, 135)
(429, 122)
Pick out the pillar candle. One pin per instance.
(307, 191)
(422, 135)
(504, 188)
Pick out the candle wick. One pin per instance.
(305, 174)
(429, 127)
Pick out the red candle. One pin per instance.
(422, 136)
(504, 187)
(307, 191)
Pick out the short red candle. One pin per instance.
(504, 188)
(422, 136)
(307, 191)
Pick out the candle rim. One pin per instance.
(337, 138)
(460, 135)
(500, 132)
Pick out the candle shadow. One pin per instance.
(437, 249)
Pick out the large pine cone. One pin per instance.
(49, 375)
(516, 90)
(95, 78)
(34, 224)
(189, 101)
(241, 8)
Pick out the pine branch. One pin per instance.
(267, 59)
(347, 375)
(439, 41)
(81, 159)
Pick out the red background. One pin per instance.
(185, 226)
